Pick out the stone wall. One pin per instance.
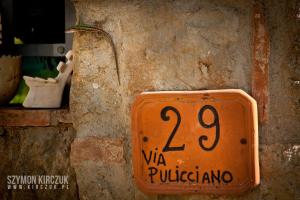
(161, 45)
(280, 144)
(178, 45)
(36, 151)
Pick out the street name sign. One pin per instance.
(195, 142)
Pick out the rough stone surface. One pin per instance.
(101, 160)
(161, 46)
(36, 151)
(97, 149)
(179, 45)
(284, 113)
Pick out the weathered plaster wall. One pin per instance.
(36, 151)
(176, 45)
(285, 68)
(280, 144)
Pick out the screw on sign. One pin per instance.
(195, 142)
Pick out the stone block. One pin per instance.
(103, 150)
(101, 168)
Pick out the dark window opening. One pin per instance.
(39, 22)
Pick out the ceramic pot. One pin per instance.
(10, 76)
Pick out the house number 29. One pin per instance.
(215, 123)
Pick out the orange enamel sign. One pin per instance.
(195, 142)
